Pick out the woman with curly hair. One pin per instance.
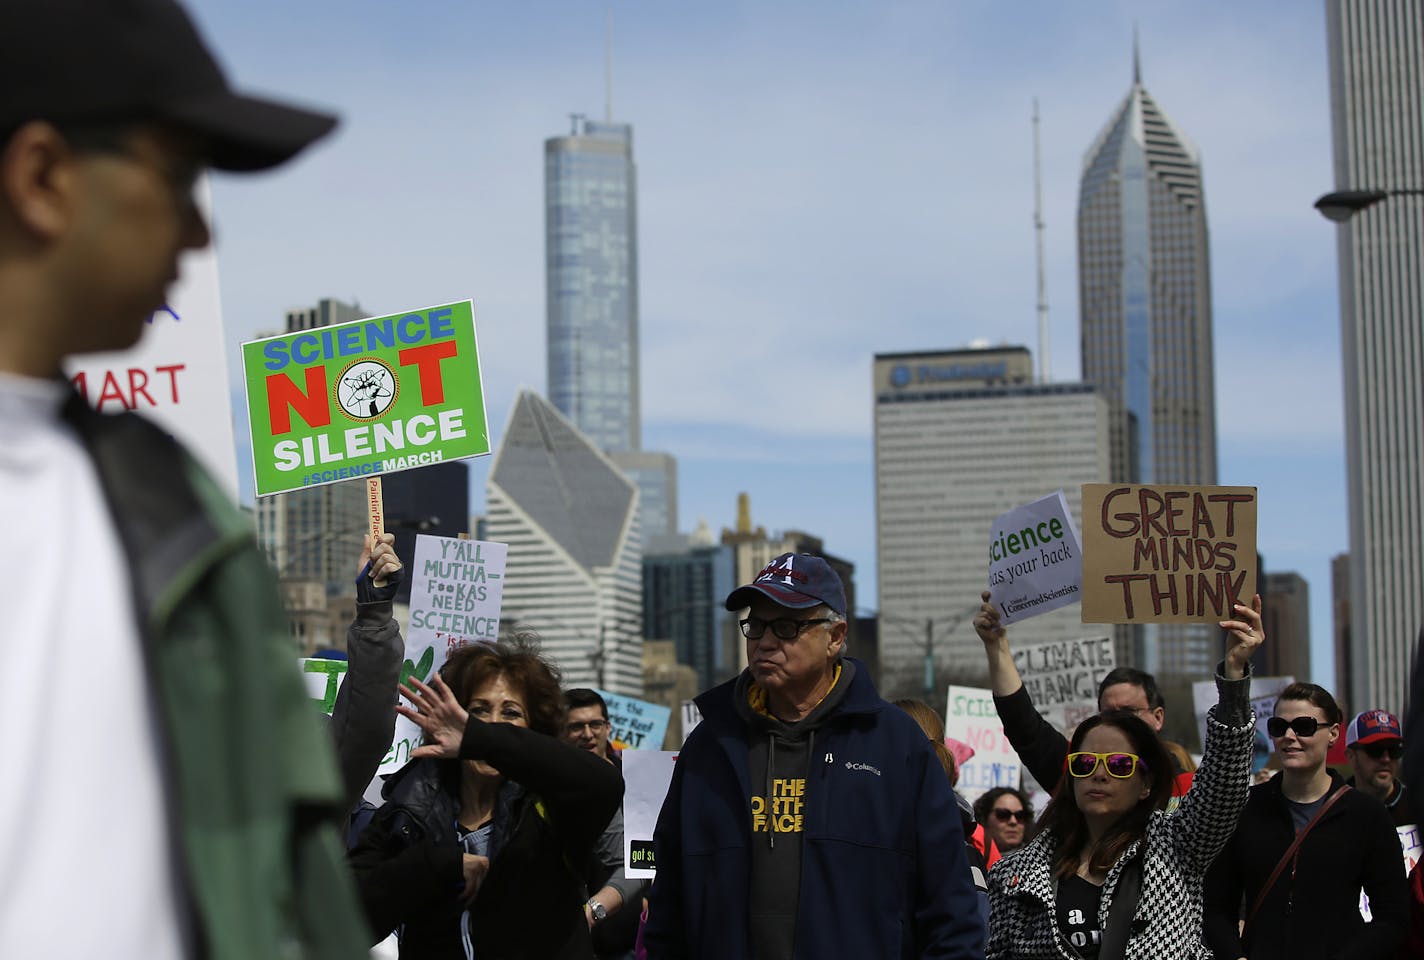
(1111, 874)
(472, 854)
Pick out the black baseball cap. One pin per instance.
(99, 60)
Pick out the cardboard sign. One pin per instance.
(1035, 560)
(176, 375)
(635, 724)
(970, 717)
(1165, 554)
(455, 591)
(366, 397)
(1062, 677)
(647, 774)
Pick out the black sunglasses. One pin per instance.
(1303, 726)
(1395, 749)
(1004, 815)
(785, 628)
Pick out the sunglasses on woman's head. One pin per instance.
(1303, 726)
(1004, 815)
(1395, 749)
(1120, 765)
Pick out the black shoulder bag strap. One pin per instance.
(1291, 852)
(1124, 905)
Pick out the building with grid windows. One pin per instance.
(962, 436)
(591, 278)
(573, 574)
(1144, 294)
(1377, 115)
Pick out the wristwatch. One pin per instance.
(598, 911)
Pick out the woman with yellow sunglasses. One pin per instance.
(1111, 874)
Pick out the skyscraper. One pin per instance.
(574, 570)
(1144, 293)
(962, 436)
(591, 277)
(1377, 115)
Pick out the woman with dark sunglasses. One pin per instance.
(1302, 900)
(1006, 814)
(1112, 874)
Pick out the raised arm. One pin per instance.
(1207, 816)
(1042, 747)
(364, 718)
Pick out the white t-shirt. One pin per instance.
(86, 866)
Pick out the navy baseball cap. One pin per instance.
(794, 580)
(1372, 726)
(80, 61)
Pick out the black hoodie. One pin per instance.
(784, 751)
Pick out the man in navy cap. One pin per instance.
(168, 791)
(1374, 745)
(807, 817)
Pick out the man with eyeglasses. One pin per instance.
(613, 928)
(1374, 745)
(807, 817)
(169, 783)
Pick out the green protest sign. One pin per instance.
(364, 398)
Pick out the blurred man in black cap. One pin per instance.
(807, 817)
(169, 793)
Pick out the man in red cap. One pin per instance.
(169, 793)
(1374, 745)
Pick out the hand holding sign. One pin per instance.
(439, 714)
(384, 564)
(1247, 634)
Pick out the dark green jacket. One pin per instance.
(251, 780)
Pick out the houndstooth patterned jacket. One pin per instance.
(1178, 848)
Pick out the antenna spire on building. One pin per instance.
(1038, 229)
(1136, 59)
(608, 67)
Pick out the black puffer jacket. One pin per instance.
(408, 861)
(1314, 915)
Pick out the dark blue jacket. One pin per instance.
(883, 870)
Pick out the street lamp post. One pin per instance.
(1341, 205)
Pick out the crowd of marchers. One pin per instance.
(174, 796)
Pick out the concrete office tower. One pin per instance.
(574, 570)
(1377, 115)
(1340, 623)
(1285, 599)
(961, 436)
(591, 277)
(1144, 293)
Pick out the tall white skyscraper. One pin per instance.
(1377, 113)
(574, 570)
(962, 436)
(1144, 293)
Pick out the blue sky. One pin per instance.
(818, 182)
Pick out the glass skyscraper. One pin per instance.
(1144, 293)
(591, 256)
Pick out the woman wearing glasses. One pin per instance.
(1006, 814)
(1110, 873)
(1305, 847)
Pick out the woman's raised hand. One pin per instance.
(438, 713)
(1246, 635)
